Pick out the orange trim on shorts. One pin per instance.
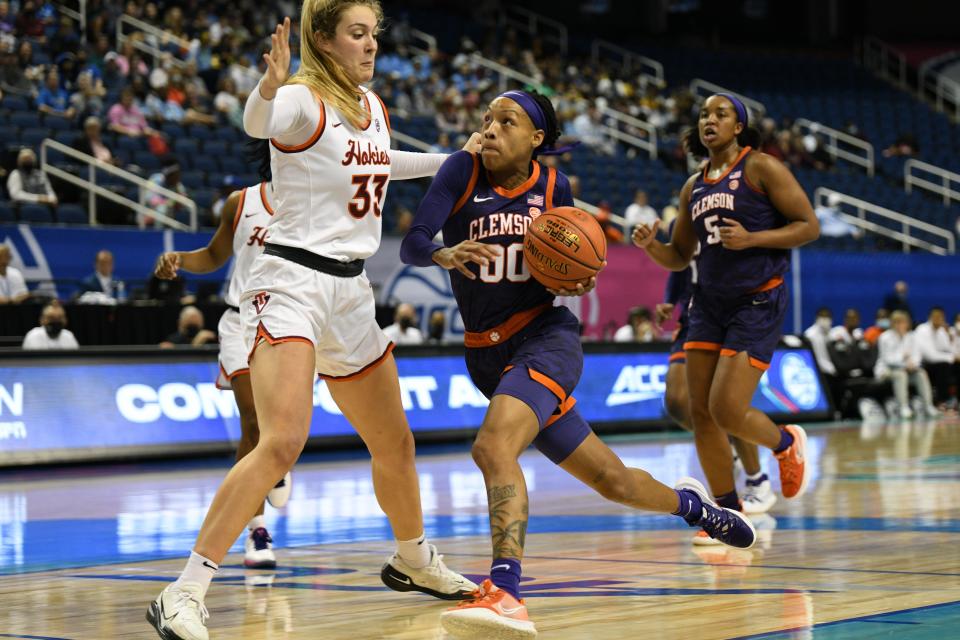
(313, 138)
(470, 185)
(565, 408)
(361, 373)
(516, 191)
(706, 169)
(756, 364)
(263, 334)
(679, 355)
(229, 376)
(549, 383)
(505, 330)
(386, 114)
(702, 346)
(772, 283)
(236, 216)
(263, 198)
(551, 183)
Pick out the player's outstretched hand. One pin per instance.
(458, 256)
(662, 313)
(734, 236)
(167, 265)
(644, 234)
(278, 61)
(474, 144)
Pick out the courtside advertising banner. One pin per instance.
(84, 408)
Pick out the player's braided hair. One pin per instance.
(257, 152)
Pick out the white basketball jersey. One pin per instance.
(330, 189)
(249, 232)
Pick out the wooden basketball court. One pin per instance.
(872, 551)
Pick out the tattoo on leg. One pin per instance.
(509, 533)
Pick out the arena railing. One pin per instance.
(885, 61)
(908, 224)
(93, 189)
(506, 74)
(428, 40)
(537, 24)
(650, 70)
(947, 180)
(938, 89)
(701, 89)
(835, 137)
(416, 143)
(164, 37)
(79, 14)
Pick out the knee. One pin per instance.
(489, 454)
(726, 415)
(395, 452)
(614, 484)
(282, 450)
(678, 408)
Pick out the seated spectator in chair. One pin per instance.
(639, 327)
(881, 324)
(101, 280)
(639, 212)
(404, 328)
(899, 361)
(831, 222)
(169, 178)
(610, 229)
(190, 331)
(91, 142)
(28, 184)
(88, 98)
(897, 299)
(818, 335)
(52, 332)
(850, 330)
(937, 353)
(53, 100)
(127, 119)
(13, 288)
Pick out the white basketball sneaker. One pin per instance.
(178, 613)
(258, 550)
(435, 579)
(280, 493)
(758, 497)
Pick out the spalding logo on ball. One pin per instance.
(564, 246)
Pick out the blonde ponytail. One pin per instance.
(318, 70)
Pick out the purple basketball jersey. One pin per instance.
(731, 196)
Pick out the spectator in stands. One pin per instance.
(53, 100)
(937, 353)
(27, 183)
(128, 60)
(881, 324)
(13, 288)
(639, 212)
(190, 331)
(904, 146)
(127, 119)
(7, 19)
(850, 331)
(92, 143)
(639, 327)
(831, 222)
(604, 217)
(404, 328)
(818, 335)
(52, 332)
(168, 177)
(228, 103)
(443, 144)
(87, 100)
(436, 327)
(899, 361)
(20, 75)
(897, 300)
(29, 23)
(404, 220)
(588, 128)
(229, 184)
(101, 280)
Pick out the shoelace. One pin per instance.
(261, 538)
(716, 521)
(197, 604)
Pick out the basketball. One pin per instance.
(564, 246)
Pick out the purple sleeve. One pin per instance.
(449, 184)
(676, 283)
(563, 197)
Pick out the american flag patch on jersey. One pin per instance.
(535, 200)
(735, 175)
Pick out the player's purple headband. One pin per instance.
(742, 114)
(539, 120)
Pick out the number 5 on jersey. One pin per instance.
(362, 200)
(713, 229)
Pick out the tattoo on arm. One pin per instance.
(508, 531)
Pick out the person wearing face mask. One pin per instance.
(937, 354)
(52, 332)
(27, 183)
(881, 324)
(404, 328)
(13, 288)
(899, 361)
(817, 334)
(436, 327)
(190, 331)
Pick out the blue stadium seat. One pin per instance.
(146, 161)
(131, 144)
(234, 165)
(59, 124)
(201, 132)
(33, 136)
(185, 146)
(72, 214)
(36, 213)
(7, 212)
(205, 163)
(10, 134)
(16, 103)
(217, 148)
(24, 119)
(193, 179)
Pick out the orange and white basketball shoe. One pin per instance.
(794, 471)
(492, 613)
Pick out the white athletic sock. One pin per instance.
(416, 552)
(199, 570)
(257, 522)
